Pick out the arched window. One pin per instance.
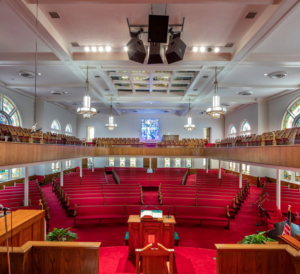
(245, 128)
(69, 130)
(232, 131)
(9, 114)
(292, 116)
(55, 127)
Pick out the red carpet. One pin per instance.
(111, 232)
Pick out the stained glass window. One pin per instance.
(68, 164)
(55, 127)
(188, 162)
(55, 167)
(232, 166)
(245, 169)
(232, 131)
(90, 134)
(167, 162)
(132, 162)
(287, 175)
(297, 176)
(7, 105)
(204, 163)
(111, 161)
(68, 130)
(245, 129)
(3, 174)
(122, 162)
(177, 162)
(292, 116)
(3, 119)
(9, 114)
(150, 129)
(15, 172)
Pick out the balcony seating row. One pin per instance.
(289, 136)
(109, 142)
(192, 143)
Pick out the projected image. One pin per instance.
(150, 129)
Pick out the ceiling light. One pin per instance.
(217, 49)
(94, 49)
(266, 74)
(108, 48)
(124, 77)
(39, 74)
(202, 49)
(195, 49)
(86, 110)
(87, 49)
(278, 74)
(100, 49)
(26, 74)
(216, 110)
(111, 125)
(125, 48)
(189, 126)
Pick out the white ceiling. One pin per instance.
(269, 42)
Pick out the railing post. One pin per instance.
(219, 169)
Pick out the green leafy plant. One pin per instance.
(256, 239)
(61, 235)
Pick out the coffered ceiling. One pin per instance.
(267, 43)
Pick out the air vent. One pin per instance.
(166, 111)
(229, 45)
(205, 76)
(56, 92)
(27, 74)
(134, 110)
(202, 112)
(251, 15)
(278, 74)
(97, 76)
(195, 89)
(75, 45)
(245, 93)
(76, 104)
(106, 89)
(225, 105)
(54, 15)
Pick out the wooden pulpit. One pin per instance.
(142, 234)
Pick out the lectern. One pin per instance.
(142, 234)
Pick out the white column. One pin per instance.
(61, 173)
(150, 163)
(207, 165)
(80, 167)
(240, 176)
(26, 191)
(278, 188)
(219, 169)
(93, 166)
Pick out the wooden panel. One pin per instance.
(84, 163)
(12, 182)
(171, 137)
(53, 257)
(25, 223)
(153, 163)
(146, 163)
(254, 259)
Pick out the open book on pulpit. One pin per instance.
(151, 215)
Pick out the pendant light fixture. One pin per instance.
(216, 111)
(86, 110)
(111, 125)
(36, 126)
(189, 126)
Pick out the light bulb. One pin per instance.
(94, 49)
(87, 49)
(202, 49)
(125, 48)
(100, 49)
(217, 49)
(108, 48)
(216, 115)
(195, 49)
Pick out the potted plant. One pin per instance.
(256, 239)
(61, 235)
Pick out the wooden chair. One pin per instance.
(155, 260)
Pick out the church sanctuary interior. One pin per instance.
(147, 137)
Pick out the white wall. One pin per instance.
(129, 126)
(249, 113)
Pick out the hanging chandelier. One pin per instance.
(189, 126)
(86, 110)
(111, 125)
(216, 111)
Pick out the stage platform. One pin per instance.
(114, 260)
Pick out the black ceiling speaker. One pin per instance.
(158, 28)
(175, 51)
(156, 54)
(136, 50)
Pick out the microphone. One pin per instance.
(3, 208)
